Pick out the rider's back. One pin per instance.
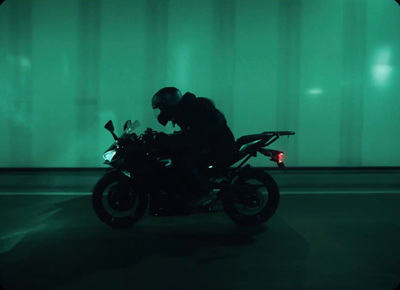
(202, 124)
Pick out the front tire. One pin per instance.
(252, 198)
(116, 201)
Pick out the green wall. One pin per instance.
(326, 69)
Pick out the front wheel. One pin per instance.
(116, 201)
(252, 198)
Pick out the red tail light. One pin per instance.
(280, 157)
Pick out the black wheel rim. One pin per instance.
(249, 196)
(119, 200)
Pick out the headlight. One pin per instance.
(109, 155)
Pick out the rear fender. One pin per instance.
(243, 172)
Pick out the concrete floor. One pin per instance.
(314, 241)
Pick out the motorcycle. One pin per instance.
(141, 179)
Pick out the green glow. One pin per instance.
(382, 68)
(315, 92)
(324, 69)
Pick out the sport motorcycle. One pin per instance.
(142, 178)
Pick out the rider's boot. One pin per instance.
(204, 200)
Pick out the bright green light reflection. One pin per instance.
(382, 68)
(315, 91)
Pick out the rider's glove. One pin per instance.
(160, 142)
(161, 137)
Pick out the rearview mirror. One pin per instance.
(109, 126)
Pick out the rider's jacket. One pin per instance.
(202, 124)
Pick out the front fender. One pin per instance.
(110, 172)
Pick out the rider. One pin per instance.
(204, 136)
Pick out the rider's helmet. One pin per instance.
(164, 102)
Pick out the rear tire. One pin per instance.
(116, 202)
(245, 204)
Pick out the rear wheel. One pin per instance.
(116, 201)
(252, 198)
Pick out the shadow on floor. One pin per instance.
(72, 249)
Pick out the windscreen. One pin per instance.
(132, 127)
